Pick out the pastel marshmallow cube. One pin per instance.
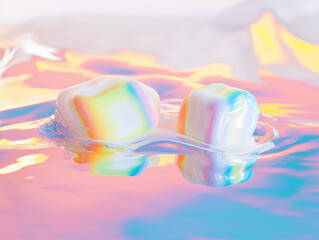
(219, 115)
(108, 108)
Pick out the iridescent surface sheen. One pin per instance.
(55, 190)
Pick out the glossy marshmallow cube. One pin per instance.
(108, 108)
(219, 115)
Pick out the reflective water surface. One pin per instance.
(53, 187)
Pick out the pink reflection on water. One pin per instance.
(60, 198)
(63, 196)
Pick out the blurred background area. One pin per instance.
(19, 10)
(233, 38)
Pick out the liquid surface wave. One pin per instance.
(160, 182)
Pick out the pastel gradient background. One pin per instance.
(269, 48)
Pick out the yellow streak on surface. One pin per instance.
(23, 94)
(74, 62)
(19, 142)
(304, 125)
(267, 45)
(278, 109)
(21, 126)
(134, 59)
(212, 70)
(64, 67)
(306, 53)
(166, 160)
(76, 59)
(29, 177)
(23, 162)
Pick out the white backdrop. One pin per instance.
(12, 11)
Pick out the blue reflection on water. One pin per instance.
(28, 113)
(212, 217)
(287, 193)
